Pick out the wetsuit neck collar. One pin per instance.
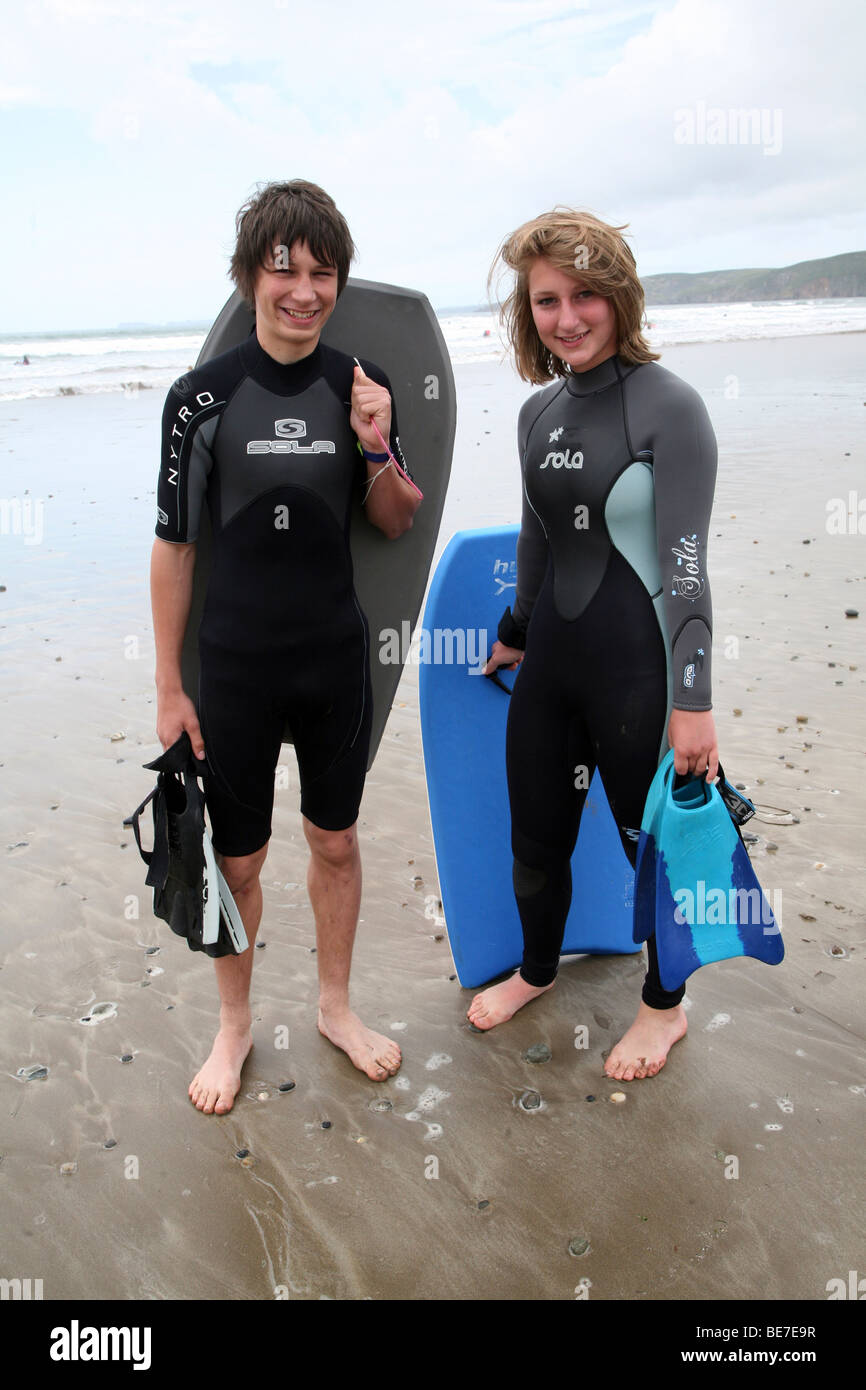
(599, 378)
(284, 378)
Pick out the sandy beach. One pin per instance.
(436, 1185)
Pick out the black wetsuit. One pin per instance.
(282, 638)
(593, 687)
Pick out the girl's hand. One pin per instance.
(501, 655)
(692, 735)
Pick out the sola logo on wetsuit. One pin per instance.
(567, 459)
(688, 583)
(562, 458)
(288, 433)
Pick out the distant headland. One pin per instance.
(834, 277)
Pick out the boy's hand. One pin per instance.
(175, 713)
(370, 401)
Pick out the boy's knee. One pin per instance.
(241, 872)
(334, 848)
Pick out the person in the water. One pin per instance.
(597, 670)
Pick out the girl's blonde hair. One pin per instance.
(591, 251)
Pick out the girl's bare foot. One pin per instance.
(501, 1002)
(644, 1049)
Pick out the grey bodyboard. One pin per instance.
(397, 329)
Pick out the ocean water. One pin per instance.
(132, 360)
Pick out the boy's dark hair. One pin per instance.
(280, 214)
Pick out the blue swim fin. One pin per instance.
(696, 886)
(645, 868)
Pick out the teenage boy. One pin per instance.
(282, 636)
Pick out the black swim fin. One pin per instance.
(189, 892)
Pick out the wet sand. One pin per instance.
(438, 1184)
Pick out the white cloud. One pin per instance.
(436, 135)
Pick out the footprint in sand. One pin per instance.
(433, 910)
(717, 1021)
(439, 1059)
(99, 1013)
(35, 1072)
(429, 1098)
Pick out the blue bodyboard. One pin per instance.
(463, 717)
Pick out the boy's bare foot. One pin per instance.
(501, 1002)
(214, 1088)
(370, 1052)
(644, 1049)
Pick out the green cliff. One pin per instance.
(835, 277)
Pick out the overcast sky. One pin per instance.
(133, 131)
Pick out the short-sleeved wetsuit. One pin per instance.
(282, 637)
(613, 608)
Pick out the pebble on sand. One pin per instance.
(579, 1245)
(530, 1100)
(67, 1168)
(618, 1097)
(852, 613)
(287, 1086)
